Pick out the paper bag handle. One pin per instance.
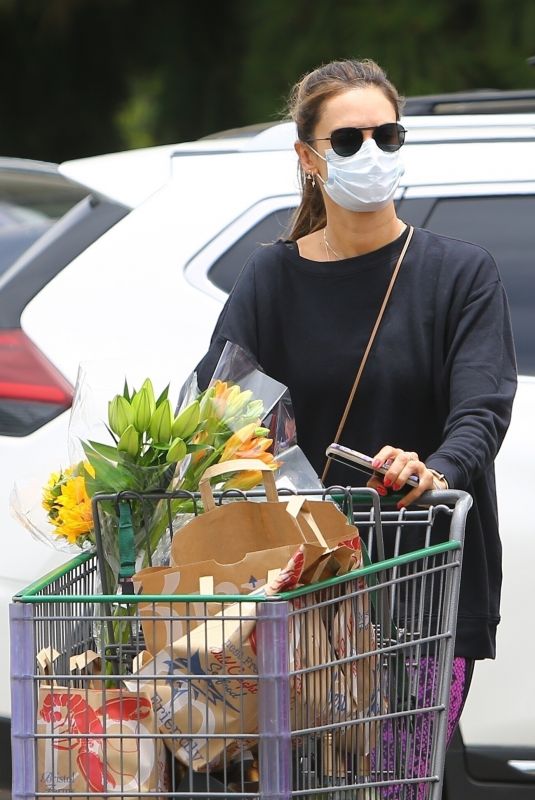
(237, 465)
(295, 507)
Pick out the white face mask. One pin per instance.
(366, 181)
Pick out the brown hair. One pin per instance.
(304, 107)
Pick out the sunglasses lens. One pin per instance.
(389, 137)
(346, 141)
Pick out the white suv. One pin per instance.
(141, 268)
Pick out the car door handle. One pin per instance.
(525, 767)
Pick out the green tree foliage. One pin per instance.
(81, 77)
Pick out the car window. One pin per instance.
(505, 227)
(46, 193)
(415, 210)
(225, 270)
(32, 391)
(32, 198)
(502, 225)
(228, 266)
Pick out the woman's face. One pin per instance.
(367, 107)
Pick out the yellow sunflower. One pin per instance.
(68, 505)
(74, 518)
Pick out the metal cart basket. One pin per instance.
(336, 690)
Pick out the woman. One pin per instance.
(435, 395)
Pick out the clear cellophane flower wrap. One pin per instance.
(249, 415)
(61, 496)
(56, 506)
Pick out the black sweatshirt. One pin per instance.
(440, 378)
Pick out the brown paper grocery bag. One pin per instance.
(165, 622)
(45, 660)
(188, 708)
(197, 685)
(96, 741)
(358, 683)
(237, 559)
(230, 531)
(86, 663)
(199, 688)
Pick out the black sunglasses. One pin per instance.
(348, 141)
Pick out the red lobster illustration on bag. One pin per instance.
(73, 723)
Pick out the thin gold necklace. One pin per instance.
(328, 247)
(338, 256)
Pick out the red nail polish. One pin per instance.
(387, 482)
(396, 487)
(400, 505)
(382, 491)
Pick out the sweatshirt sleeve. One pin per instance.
(237, 323)
(480, 381)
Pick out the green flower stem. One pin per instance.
(116, 635)
(158, 529)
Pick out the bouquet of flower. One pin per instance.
(151, 449)
(67, 504)
(149, 442)
(242, 414)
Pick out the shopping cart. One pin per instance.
(349, 678)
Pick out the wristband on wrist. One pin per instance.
(439, 479)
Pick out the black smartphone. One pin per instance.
(360, 461)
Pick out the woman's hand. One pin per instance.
(403, 464)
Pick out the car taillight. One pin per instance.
(32, 390)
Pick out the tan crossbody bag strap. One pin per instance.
(368, 348)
